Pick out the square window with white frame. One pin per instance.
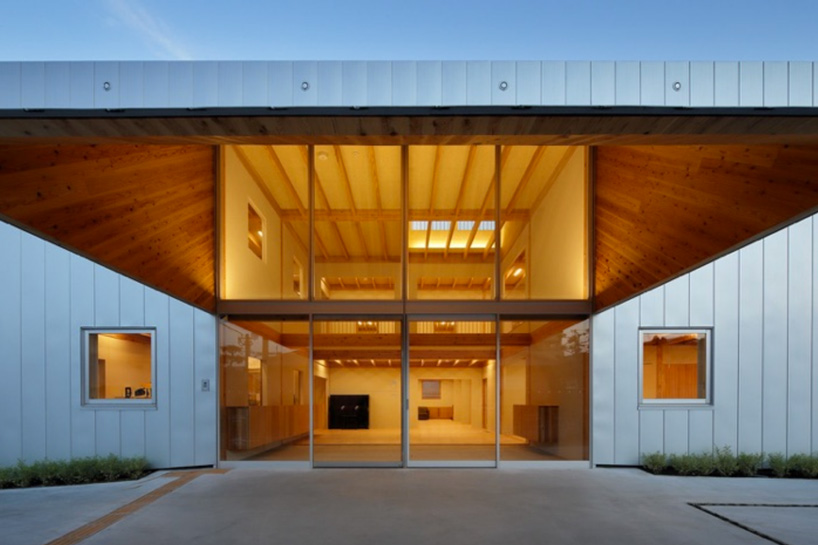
(119, 367)
(675, 366)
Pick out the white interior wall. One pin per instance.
(762, 305)
(127, 364)
(47, 295)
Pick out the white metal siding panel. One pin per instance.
(725, 351)
(379, 84)
(751, 84)
(553, 83)
(529, 83)
(106, 297)
(32, 84)
(280, 84)
(700, 426)
(180, 85)
(230, 75)
(676, 431)
(10, 86)
(814, 336)
(652, 308)
(83, 421)
(751, 303)
(132, 433)
(155, 92)
(10, 338)
(82, 84)
(603, 83)
(131, 84)
(652, 83)
(353, 83)
(677, 73)
(702, 83)
(157, 423)
(478, 83)
(800, 87)
(57, 353)
(627, 83)
(578, 83)
(57, 85)
(404, 83)
(305, 84)
(626, 437)
(776, 84)
(429, 83)
(205, 357)
(330, 84)
(32, 322)
(503, 73)
(677, 302)
(701, 296)
(453, 83)
(774, 376)
(132, 314)
(205, 84)
(254, 84)
(107, 433)
(182, 420)
(651, 431)
(604, 377)
(799, 342)
(727, 86)
(106, 72)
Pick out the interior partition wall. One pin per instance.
(403, 305)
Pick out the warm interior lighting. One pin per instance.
(518, 271)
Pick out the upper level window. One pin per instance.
(119, 367)
(675, 366)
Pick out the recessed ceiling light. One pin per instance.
(322, 155)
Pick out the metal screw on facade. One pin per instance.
(503, 85)
(106, 86)
(677, 85)
(305, 85)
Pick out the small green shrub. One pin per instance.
(655, 462)
(725, 463)
(76, 471)
(692, 465)
(748, 463)
(802, 466)
(778, 464)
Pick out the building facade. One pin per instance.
(409, 263)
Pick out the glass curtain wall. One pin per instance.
(544, 402)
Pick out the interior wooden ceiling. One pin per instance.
(147, 211)
(661, 210)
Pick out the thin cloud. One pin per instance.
(154, 32)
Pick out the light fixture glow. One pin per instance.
(518, 271)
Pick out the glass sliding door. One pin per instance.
(452, 393)
(357, 392)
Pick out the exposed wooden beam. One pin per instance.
(395, 353)
(460, 194)
(322, 196)
(288, 183)
(549, 183)
(373, 167)
(257, 178)
(344, 175)
(338, 214)
(432, 196)
(527, 175)
(487, 199)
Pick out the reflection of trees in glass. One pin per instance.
(575, 339)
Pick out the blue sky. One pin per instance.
(408, 29)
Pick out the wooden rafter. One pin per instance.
(342, 172)
(487, 199)
(389, 214)
(288, 183)
(432, 198)
(460, 194)
(322, 197)
(373, 167)
(549, 183)
(259, 180)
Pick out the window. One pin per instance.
(430, 389)
(675, 366)
(255, 231)
(119, 367)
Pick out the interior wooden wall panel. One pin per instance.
(147, 211)
(660, 210)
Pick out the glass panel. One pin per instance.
(543, 222)
(265, 411)
(119, 366)
(674, 366)
(357, 374)
(265, 221)
(460, 423)
(451, 222)
(358, 222)
(544, 390)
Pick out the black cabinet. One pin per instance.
(349, 412)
